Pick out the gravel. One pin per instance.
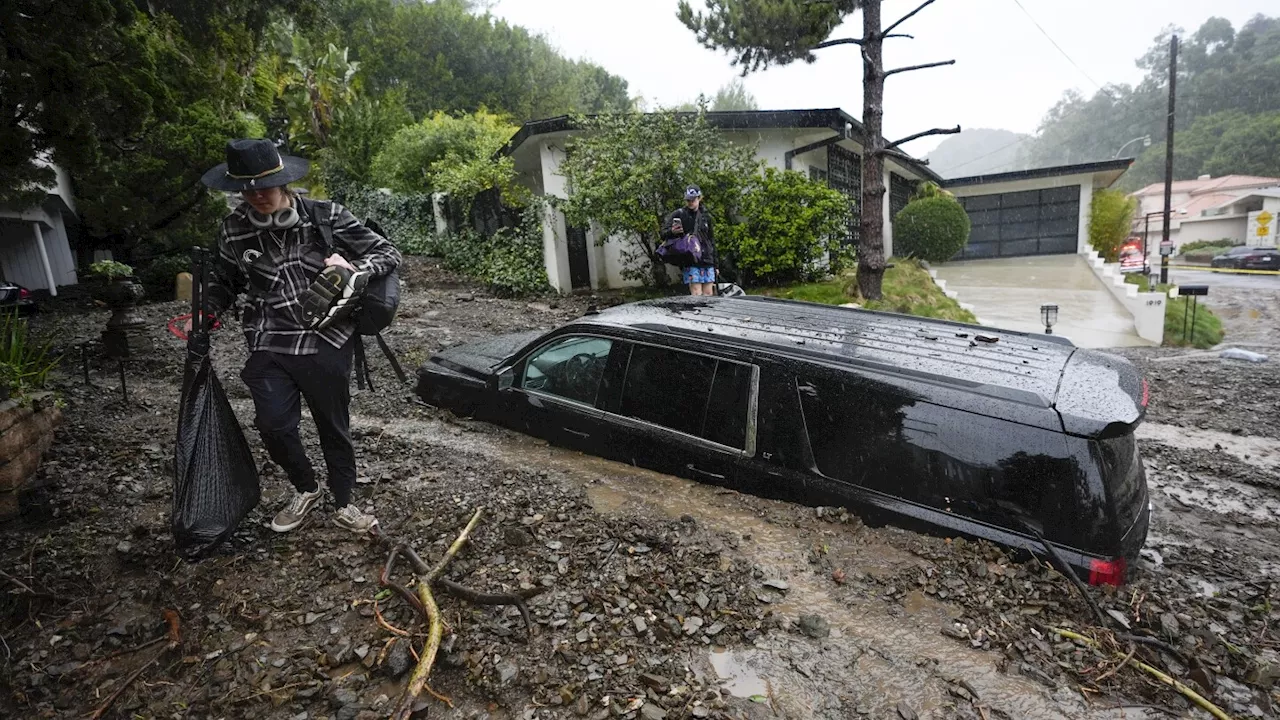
(663, 598)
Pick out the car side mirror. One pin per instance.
(505, 379)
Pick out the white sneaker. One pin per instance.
(351, 518)
(296, 511)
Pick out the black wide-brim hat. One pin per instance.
(254, 164)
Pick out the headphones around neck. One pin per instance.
(281, 219)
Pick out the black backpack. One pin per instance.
(381, 297)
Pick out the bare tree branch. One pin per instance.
(838, 41)
(905, 18)
(854, 41)
(926, 133)
(898, 155)
(895, 71)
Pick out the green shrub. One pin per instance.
(510, 261)
(931, 228)
(1110, 222)
(408, 219)
(24, 363)
(790, 224)
(108, 270)
(1218, 246)
(444, 153)
(159, 274)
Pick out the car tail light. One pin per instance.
(23, 293)
(1146, 392)
(1107, 572)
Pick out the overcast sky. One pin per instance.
(1007, 73)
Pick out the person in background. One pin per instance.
(270, 248)
(693, 219)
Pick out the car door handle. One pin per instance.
(578, 433)
(694, 469)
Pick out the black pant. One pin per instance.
(278, 383)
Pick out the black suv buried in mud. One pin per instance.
(941, 427)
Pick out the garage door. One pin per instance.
(1031, 222)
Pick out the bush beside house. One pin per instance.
(1110, 221)
(791, 227)
(932, 228)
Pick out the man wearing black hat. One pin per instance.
(300, 340)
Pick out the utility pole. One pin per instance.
(1166, 247)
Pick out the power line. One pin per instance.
(987, 155)
(1055, 44)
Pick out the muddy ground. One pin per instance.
(663, 598)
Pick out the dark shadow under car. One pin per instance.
(940, 427)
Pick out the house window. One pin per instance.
(900, 190)
(817, 175)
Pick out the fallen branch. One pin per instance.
(1190, 694)
(424, 602)
(1132, 651)
(125, 684)
(422, 671)
(175, 638)
(435, 629)
(382, 622)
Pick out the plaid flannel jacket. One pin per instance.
(274, 267)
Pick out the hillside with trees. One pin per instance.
(1228, 108)
(979, 152)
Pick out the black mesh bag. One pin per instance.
(215, 483)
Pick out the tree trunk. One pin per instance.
(871, 232)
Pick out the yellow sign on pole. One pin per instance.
(1264, 219)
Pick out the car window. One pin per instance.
(729, 405)
(570, 368)
(1241, 251)
(667, 387)
(689, 393)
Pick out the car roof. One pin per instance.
(1242, 250)
(1016, 366)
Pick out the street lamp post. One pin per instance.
(1146, 143)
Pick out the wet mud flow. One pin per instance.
(877, 654)
(664, 598)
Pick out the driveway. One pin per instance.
(1008, 292)
(1190, 275)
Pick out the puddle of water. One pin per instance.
(1254, 450)
(735, 676)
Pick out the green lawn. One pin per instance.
(1207, 331)
(907, 289)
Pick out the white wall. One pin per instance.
(1216, 228)
(555, 248)
(1083, 180)
(20, 260)
(1147, 309)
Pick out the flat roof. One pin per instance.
(1102, 166)
(829, 118)
(1015, 366)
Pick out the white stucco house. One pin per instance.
(1209, 208)
(822, 143)
(35, 251)
(1042, 211)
